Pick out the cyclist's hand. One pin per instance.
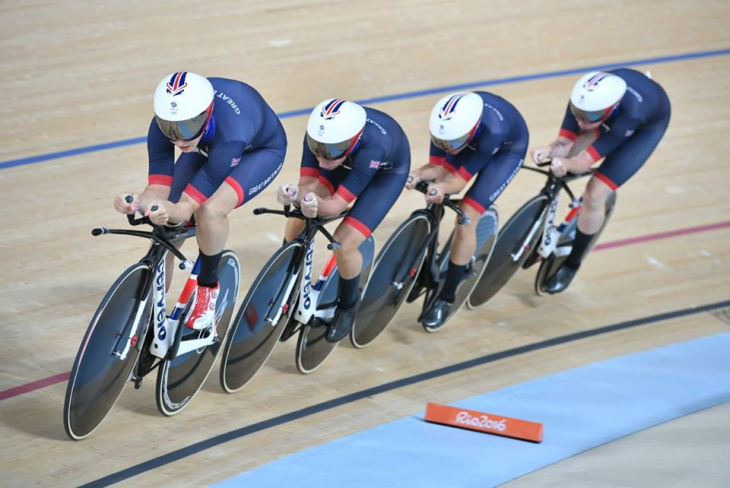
(121, 204)
(159, 215)
(435, 193)
(413, 178)
(541, 154)
(287, 194)
(558, 168)
(309, 205)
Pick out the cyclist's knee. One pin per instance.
(595, 196)
(473, 214)
(211, 210)
(464, 231)
(349, 238)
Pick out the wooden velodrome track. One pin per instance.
(78, 74)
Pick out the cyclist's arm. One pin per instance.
(182, 211)
(155, 192)
(561, 147)
(569, 130)
(431, 172)
(452, 183)
(308, 184)
(578, 164)
(365, 164)
(329, 207)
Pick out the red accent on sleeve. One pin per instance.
(595, 155)
(328, 184)
(474, 204)
(437, 160)
(160, 180)
(465, 174)
(195, 194)
(356, 224)
(345, 194)
(237, 188)
(441, 161)
(606, 180)
(309, 172)
(568, 135)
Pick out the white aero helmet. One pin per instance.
(595, 95)
(183, 105)
(334, 127)
(454, 120)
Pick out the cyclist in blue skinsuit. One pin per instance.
(623, 115)
(232, 146)
(472, 134)
(351, 153)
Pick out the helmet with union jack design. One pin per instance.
(183, 105)
(596, 95)
(454, 121)
(334, 127)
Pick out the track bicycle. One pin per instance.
(283, 302)
(131, 334)
(531, 236)
(412, 264)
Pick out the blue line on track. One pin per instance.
(398, 96)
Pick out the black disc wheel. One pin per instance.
(261, 319)
(516, 243)
(106, 356)
(393, 276)
(486, 239)
(312, 347)
(182, 374)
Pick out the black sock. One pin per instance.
(453, 277)
(580, 246)
(349, 291)
(208, 275)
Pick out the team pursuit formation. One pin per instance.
(356, 162)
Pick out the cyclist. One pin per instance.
(621, 115)
(351, 153)
(232, 146)
(472, 134)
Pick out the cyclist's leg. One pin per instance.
(185, 167)
(254, 173)
(369, 210)
(616, 170)
(490, 183)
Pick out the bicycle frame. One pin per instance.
(551, 232)
(308, 293)
(546, 223)
(164, 329)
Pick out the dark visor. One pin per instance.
(451, 146)
(185, 130)
(328, 151)
(586, 116)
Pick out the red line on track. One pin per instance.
(661, 235)
(34, 385)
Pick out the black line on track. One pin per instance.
(393, 385)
